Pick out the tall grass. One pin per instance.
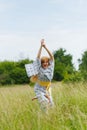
(18, 112)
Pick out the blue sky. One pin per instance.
(23, 23)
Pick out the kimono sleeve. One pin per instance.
(32, 68)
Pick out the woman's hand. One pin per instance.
(42, 43)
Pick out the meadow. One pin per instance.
(19, 112)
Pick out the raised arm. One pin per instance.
(50, 54)
(40, 49)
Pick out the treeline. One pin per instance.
(15, 73)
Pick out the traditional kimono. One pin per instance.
(43, 84)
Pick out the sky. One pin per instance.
(23, 23)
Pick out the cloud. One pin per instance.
(5, 7)
(73, 40)
(12, 45)
(56, 1)
(16, 45)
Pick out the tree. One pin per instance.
(63, 64)
(83, 62)
(83, 65)
(13, 72)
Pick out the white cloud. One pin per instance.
(74, 41)
(56, 1)
(5, 6)
(14, 46)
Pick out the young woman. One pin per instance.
(43, 78)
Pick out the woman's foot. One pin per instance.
(34, 98)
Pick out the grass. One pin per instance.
(18, 112)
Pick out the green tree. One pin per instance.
(13, 72)
(18, 76)
(63, 64)
(5, 68)
(83, 65)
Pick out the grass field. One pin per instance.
(18, 112)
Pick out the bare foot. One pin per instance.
(34, 98)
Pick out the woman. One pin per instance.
(43, 78)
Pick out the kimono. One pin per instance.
(42, 86)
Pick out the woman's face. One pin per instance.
(45, 64)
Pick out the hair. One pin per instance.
(45, 58)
